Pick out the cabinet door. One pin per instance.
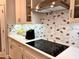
(71, 14)
(28, 10)
(2, 2)
(2, 31)
(74, 11)
(23, 11)
(15, 50)
(10, 10)
(20, 11)
(29, 53)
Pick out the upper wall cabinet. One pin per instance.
(17, 11)
(28, 10)
(23, 11)
(20, 6)
(2, 2)
(10, 11)
(74, 11)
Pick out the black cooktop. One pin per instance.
(48, 47)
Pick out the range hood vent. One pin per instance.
(47, 6)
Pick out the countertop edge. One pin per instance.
(24, 43)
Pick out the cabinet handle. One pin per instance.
(20, 46)
(10, 57)
(22, 57)
(2, 11)
(3, 31)
(19, 20)
(11, 46)
(70, 13)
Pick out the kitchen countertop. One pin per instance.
(70, 53)
(23, 41)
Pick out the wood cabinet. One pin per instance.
(2, 2)
(23, 11)
(10, 12)
(2, 31)
(15, 50)
(17, 11)
(19, 51)
(74, 11)
(30, 53)
(28, 10)
(27, 54)
(20, 11)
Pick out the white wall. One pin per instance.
(36, 18)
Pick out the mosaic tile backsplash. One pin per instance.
(59, 28)
(21, 29)
(55, 27)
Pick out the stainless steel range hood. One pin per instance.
(46, 6)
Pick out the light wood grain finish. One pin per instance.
(72, 13)
(19, 51)
(15, 50)
(2, 2)
(3, 30)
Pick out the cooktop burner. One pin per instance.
(48, 47)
